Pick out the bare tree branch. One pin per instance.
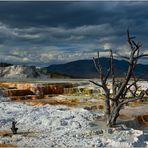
(137, 45)
(128, 88)
(132, 64)
(96, 66)
(96, 83)
(129, 40)
(112, 73)
(134, 99)
(121, 56)
(109, 70)
(140, 56)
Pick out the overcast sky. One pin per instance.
(43, 33)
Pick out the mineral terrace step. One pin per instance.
(16, 92)
(34, 88)
(27, 97)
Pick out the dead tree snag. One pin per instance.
(115, 100)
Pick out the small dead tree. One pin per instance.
(114, 101)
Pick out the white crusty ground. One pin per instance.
(60, 126)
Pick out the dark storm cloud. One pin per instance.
(45, 32)
(69, 14)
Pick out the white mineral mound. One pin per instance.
(19, 71)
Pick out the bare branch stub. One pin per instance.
(14, 128)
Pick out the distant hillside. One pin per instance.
(59, 75)
(86, 69)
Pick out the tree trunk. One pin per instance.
(114, 114)
(113, 119)
(107, 109)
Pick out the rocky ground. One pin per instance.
(61, 126)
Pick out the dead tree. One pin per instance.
(114, 101)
